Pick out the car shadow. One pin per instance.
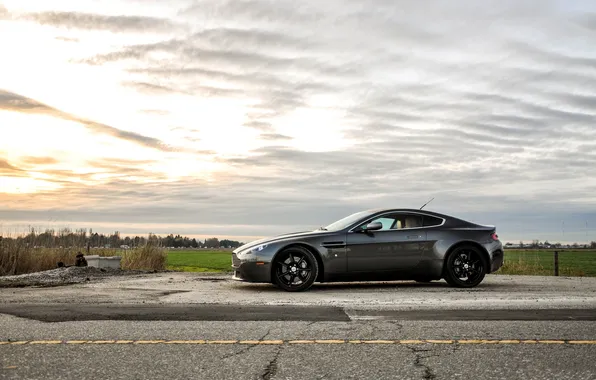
(333, 286)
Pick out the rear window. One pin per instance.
(429, 221)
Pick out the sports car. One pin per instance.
(375, 245)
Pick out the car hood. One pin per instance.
(274, 239)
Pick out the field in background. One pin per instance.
(17, 259)
(200, 260)
(581, 262)
(519, 261)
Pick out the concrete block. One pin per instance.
(97, 261)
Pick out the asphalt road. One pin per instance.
(186, 327)
(215, 312)
(357, 349)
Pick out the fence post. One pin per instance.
(88, 247)
(556, 263)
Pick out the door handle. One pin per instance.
(413, 236)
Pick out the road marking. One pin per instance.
(271, 342)
(308, 341)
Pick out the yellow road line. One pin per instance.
(307, 341)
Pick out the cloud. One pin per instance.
(113, 23)
(18, 103)
(150, 88)
(67, 39)
(32, 160)
(6, 166)
(353, 106)
(4, 13)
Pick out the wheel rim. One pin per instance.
(467, 266)
(293, 269)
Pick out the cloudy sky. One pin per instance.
(248, 118)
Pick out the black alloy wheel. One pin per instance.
(465, 267)
(295, 269)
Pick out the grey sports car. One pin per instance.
(375, 245)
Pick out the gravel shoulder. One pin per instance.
(65, 276)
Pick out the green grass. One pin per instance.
(518, 261)
(541, 262)
(200, 261)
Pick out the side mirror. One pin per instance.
(374, 226)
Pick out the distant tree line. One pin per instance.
(81, 237)
(546, 244)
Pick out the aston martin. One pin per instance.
(375, 245)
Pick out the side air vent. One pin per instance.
(333, 244)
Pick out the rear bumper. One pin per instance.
(496, 260)
(250, 270)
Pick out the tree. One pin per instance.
(212, 243)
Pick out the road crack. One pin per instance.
(247, 348)
(419, 352)
(271, 368)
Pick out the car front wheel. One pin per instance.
(465, 267)
(295, 269)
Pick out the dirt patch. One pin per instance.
(65, 276)
(212, 279)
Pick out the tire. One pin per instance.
(295, 269)
(465, 267)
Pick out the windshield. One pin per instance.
(347, 221)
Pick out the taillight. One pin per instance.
(494, 236)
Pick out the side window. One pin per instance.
(430, 221)
(389, 222)
(412, 221)
(400, 221)
(386, 221)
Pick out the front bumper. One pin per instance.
(250, 270)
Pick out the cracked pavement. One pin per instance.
(156, 308)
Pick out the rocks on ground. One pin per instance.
(64, 276)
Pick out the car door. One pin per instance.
(397, 247)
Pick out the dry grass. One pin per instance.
(149, 256)
(17, 258)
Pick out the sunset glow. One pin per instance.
(190, 114)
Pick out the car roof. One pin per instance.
(423, 211)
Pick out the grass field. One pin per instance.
(200, 261)
(541, 262)
(526, 262)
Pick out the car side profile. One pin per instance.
(375, 245)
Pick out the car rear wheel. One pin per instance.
(465, 267)
(295, 269)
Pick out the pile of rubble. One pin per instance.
(64, 276)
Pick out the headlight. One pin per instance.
(258, 248)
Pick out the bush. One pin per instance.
(149, 256)
(18, 257)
